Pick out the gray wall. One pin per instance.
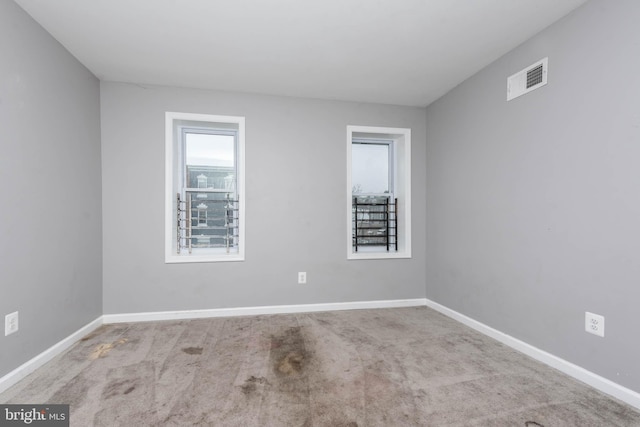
(295, 218)
(533, 211)
(50, 221)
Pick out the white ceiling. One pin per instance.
(405, 52)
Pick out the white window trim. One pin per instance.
(402, 167)
(170, 197)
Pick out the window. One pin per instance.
(378, 192)
(204, 188)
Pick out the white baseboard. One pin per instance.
(28, 367)
(596, 381)
(249, 311)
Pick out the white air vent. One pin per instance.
(532, 77)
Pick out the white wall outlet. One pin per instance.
(594, 324)
(10, 323)
(302, 277)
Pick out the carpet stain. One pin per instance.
(288, 353)
(114, 388)
(291, 363)
(95, 333)
(102, 350)
(250, 385)
(192, 350)
(532, 424)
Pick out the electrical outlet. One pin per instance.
(302, 277)
(594, 324)
(10, 323)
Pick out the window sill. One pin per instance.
(378, 255)
(190, 258)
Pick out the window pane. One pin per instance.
(369, 168)
(210, 161)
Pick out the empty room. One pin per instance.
(323, 213)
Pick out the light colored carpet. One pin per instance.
(388, 367)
